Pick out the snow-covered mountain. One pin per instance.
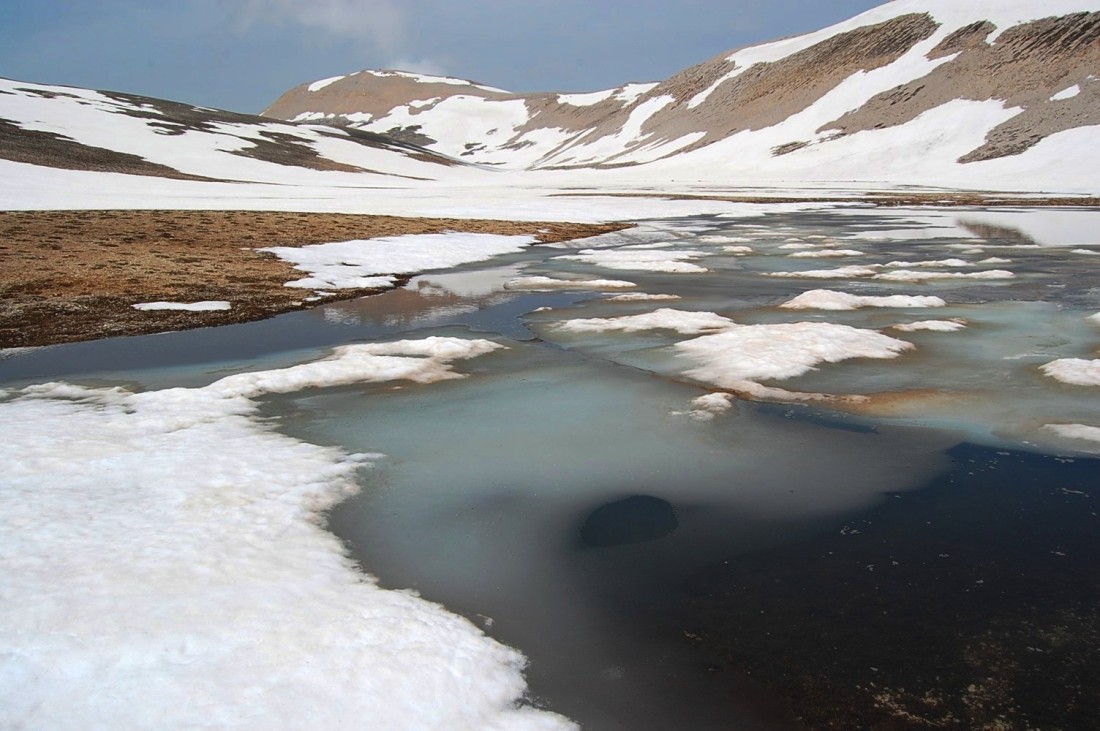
(108, 132)
(922, 87)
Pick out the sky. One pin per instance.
(242, 54)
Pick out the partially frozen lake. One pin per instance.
(722, 472)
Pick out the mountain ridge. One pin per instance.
(1028, 72)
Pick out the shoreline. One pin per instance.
(72, 276)
(879, 199)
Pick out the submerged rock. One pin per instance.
(636, 519)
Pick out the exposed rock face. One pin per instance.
(767, 93)
(929, 53)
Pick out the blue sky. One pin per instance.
(241, 54)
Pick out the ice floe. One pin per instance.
(648, 260)
(911, 275)
(848, 272)
(642, 297)
(945, 326)
(709, 406)
(546, 283)
(750, 353)
(824, 254)
(827, 299)
(687, 323)
(1075, 371)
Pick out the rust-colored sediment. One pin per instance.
(75, 275)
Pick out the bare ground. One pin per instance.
(75, 275)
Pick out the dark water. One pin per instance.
(968, 604)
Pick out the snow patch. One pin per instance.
(318, 85)
(1067, 93)
(205, 306)
(585, 100)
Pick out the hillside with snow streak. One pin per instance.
(965, 93)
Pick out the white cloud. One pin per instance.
(379, 21)
(426, 66)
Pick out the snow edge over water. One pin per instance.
(166, 566)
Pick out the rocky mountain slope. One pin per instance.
(924, 86)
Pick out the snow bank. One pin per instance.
(204, 306)
(164, 568)
(357, 264)
(1075, 371)
(827, 299)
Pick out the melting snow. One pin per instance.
(357, 264)
(164, 566)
